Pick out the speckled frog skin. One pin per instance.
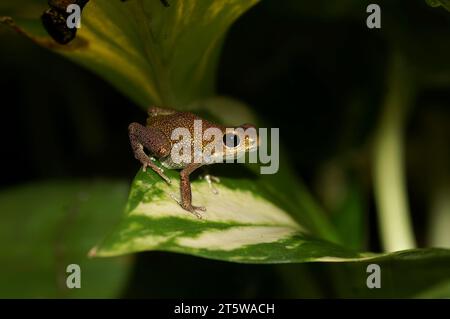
(156, 137)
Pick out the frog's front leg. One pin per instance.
(153, 140)
(185, 190)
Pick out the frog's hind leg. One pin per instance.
(185, 189)
(153, 140)
(158, 111)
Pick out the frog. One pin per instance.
(155, 137)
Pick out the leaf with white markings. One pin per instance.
(240, 224)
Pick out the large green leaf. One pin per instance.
(44, 227)
(240, 224)
(152, 53)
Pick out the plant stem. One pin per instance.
(388, 168)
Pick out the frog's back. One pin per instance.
(169, 121)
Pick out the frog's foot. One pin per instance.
(156, 169)
(189, 207)
(210, 179)
(194, 210)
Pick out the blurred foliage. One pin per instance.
(47, 226)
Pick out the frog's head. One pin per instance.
(238, 141)
(230, 143)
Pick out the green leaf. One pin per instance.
(44, 227)
(153, 54)
(241, 224)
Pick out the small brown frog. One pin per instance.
(156, 137)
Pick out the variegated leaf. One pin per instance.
(240, 224)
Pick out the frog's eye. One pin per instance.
(231, 140)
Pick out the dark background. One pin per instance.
(317, 74)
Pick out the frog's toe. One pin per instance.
(210, 179)
(200, 208)
(195, 210)
(165, 178)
